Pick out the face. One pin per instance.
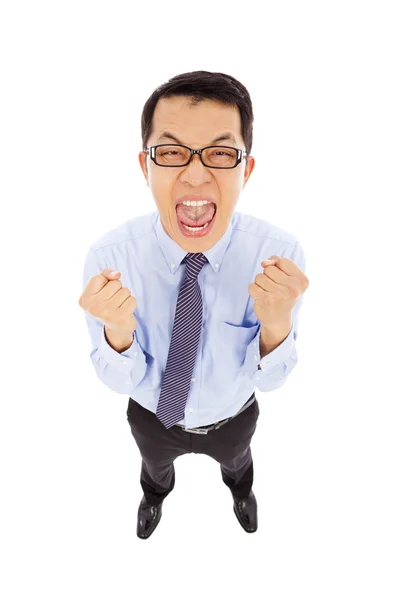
(196, 127)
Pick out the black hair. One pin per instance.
(198, 86)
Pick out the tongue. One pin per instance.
(195, 216)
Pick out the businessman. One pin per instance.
(192, 307)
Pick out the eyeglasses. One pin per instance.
(175, 155)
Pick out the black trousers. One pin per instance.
(159, 447)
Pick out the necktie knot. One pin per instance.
(194, 263)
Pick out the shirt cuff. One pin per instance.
(272, 360)
(122, 361)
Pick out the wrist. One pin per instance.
(271, 336)
(277, 327)
(119, 341)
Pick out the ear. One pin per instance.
(250, 164)
(143, 165)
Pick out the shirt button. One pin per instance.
(172, 265)
(216, 265)
(193, 379)
(190, 410)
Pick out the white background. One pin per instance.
(324, 80)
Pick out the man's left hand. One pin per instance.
(277, 290)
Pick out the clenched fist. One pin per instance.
(106, 299)
(276, 290)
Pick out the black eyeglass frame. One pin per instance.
(240, 154)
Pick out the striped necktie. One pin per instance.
(184, 345)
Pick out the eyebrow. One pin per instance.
(220, 138)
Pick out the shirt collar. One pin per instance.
(174, 254)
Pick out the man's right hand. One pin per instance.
(106, 299)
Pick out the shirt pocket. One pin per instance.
(234, 340)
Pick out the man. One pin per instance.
(202, 306)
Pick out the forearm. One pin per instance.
(272, 337)
(118, 342)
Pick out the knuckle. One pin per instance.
(116, 284)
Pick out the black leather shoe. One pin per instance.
(148, 518)
(246, 511)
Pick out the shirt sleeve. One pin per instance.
(276, 366)
(121, 372)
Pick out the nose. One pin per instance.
(195, 172)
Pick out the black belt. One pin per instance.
(219, 424)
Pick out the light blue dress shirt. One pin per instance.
(226, 370)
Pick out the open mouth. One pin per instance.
(190, 228)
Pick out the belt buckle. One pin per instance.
(196, 430)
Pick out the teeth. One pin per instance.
(195, 228)
(195, 202)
